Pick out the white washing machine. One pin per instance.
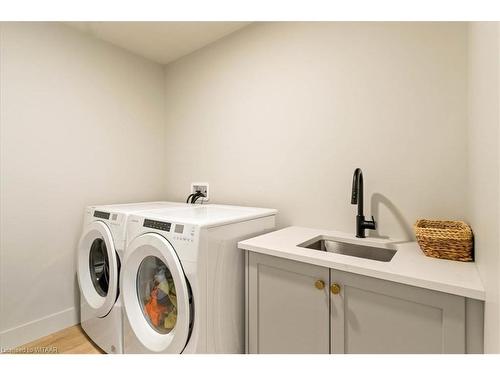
(99, 257)
(183, 278)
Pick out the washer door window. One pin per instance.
(155, 294)
(98, 268)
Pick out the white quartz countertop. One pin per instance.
(408, 266)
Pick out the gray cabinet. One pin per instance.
(370, 315)
(289, 311)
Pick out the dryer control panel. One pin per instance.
(101, 214)
(105, 215)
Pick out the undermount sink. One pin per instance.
(381, 254)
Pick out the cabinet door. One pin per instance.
(371, 315)
(288, 308)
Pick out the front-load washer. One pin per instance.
(183, 278)
(99, 257)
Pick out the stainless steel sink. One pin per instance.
(381, 254)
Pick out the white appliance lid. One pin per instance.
(209, 215)
(137, 207)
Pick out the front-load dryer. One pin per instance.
(183, 278)
(99, 258)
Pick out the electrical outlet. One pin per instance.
(200, 186)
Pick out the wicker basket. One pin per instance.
(445, 239)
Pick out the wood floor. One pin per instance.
(71, 340)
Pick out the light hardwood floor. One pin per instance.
(71, 340)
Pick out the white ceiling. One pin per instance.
(161, 42)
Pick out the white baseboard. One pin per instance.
(38, 328)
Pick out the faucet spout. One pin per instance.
(357, 198)
(357, 190)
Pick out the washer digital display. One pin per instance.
(161, 225)
(179, 228)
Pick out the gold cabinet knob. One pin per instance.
(319, 284)
(335, 288)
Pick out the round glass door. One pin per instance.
(156, 293)
(99, 266)
(156, 298)
(97, 269)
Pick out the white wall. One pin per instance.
(280, 114)
(81, 122)
(484, 166)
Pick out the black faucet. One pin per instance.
(357, 198)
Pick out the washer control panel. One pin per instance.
(184, 232)
(177, 231)
(155, 224)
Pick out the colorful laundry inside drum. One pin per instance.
(161, 307)
(155, 310)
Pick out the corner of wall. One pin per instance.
(483, 203)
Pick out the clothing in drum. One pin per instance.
(157, 295)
